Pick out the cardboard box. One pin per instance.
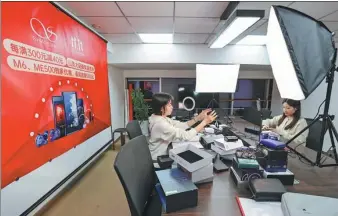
(190, 157)
(176, 190)
(202, 174)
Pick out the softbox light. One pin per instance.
(300, 49)
(216, 78)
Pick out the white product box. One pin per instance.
(190, 157)
(228, 146)
(228, 155)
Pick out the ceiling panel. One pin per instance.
(200, 9)
(315, 9)
(92, 8)
(261, 6)
(333, 26)
(152, 24)
(190, 38)
(122, 38)
(331, 17)
(195, 25)
(210, 38)
(147, 8)
(109, 24)
(260, 29)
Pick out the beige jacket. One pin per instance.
(288, 134)
(163, 131)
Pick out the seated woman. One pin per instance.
(289, 123)
(164, 130)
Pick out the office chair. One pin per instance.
(313, 139)
(133, 129)
(266, 114)
(134, 167)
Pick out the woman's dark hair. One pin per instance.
(159, 100)
(296, 116)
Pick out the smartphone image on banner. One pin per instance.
(90, 116)
(59, 115)
(80, 112)
(72, 117)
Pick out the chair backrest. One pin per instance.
(134, 167)
(134, 129)
(252, 115)
(313, 139)
(266, 114)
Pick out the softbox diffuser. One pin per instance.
(216, 78)
(300, 50)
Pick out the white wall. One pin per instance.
(311, 104)
(243, 74)
(116, 92)
(183, 53)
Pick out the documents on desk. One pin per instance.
(250, 207)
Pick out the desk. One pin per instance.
(218, 197)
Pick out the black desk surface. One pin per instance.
(218, 197)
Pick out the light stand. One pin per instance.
(212, 101)
(327, 122)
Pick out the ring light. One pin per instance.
(193, 103)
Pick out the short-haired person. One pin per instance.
(164, 130)
(289, 123)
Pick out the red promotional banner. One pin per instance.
(54, 86)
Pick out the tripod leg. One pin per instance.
(333, 144)
(321, 142)
(333, 131)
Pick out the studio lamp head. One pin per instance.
(301, 51)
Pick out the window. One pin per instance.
(248, 91)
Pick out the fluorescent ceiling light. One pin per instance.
(216, 78)
(239, 22)
(156, 38)
(253, 40)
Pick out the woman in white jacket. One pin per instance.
(164, 130)
(289, 123)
